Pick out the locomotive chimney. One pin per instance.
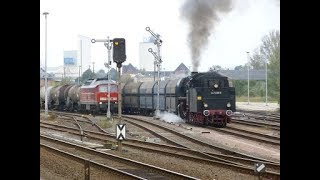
(193, 73)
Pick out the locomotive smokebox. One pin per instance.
(193, 73)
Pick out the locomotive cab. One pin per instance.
(210, 99)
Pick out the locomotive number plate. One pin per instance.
(216, 92)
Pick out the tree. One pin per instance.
(240, 67)
(257, 61)
(88, 74)
(101, 74)
(66, 81)
(270, 52)
(142, 71)
(215, 68)
(113, 74)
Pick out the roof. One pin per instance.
(42, 74)
(243, 74)
(182, 68)
(129, 69)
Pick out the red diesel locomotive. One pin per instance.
(94, 96)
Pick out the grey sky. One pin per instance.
(238, 31)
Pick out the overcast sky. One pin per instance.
(238, 31)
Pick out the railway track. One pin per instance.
(264, 138)
(222, 153)
(186, 141)
(269, 125)
(225, 161)
(261, 115)
(122, 165)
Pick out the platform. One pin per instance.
(257, 106)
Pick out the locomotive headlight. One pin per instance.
(205, 105)
(215, 85)
(199, 98)
(228, 105)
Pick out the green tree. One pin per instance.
(142, 71)
(240, 67)
(66, 81)
(101, 74)
(88, 74)
(113, 74)
(215, 68)
(257, 61)
(270, 52)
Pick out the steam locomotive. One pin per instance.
(201, 98)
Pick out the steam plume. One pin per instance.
(202, 17)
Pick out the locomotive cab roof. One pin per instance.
(199, 79)
(92, 83)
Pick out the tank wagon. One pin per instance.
(91, 97)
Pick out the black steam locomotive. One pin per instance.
(202, 98)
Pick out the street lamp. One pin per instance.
(46, 73)
(266, 82)
(248, 75)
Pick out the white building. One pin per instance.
(146, 59)
(84, 52)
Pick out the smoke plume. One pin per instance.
(169, 117)
(202, 17)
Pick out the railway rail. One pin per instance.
(274, 126)
(264, 138)
(184, 140)
(233, 163)
(260, 115)
(123, 165)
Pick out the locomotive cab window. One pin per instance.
(113, 88)
(103, 88)
(214, 84)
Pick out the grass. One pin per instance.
(105, 123)
(52, 116)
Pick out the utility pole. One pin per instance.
(158, 42)
(93, 66)
(79, 75)
(64, 71)
(248, 76)
(46, 73)
(81, 55)
(154, 69)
